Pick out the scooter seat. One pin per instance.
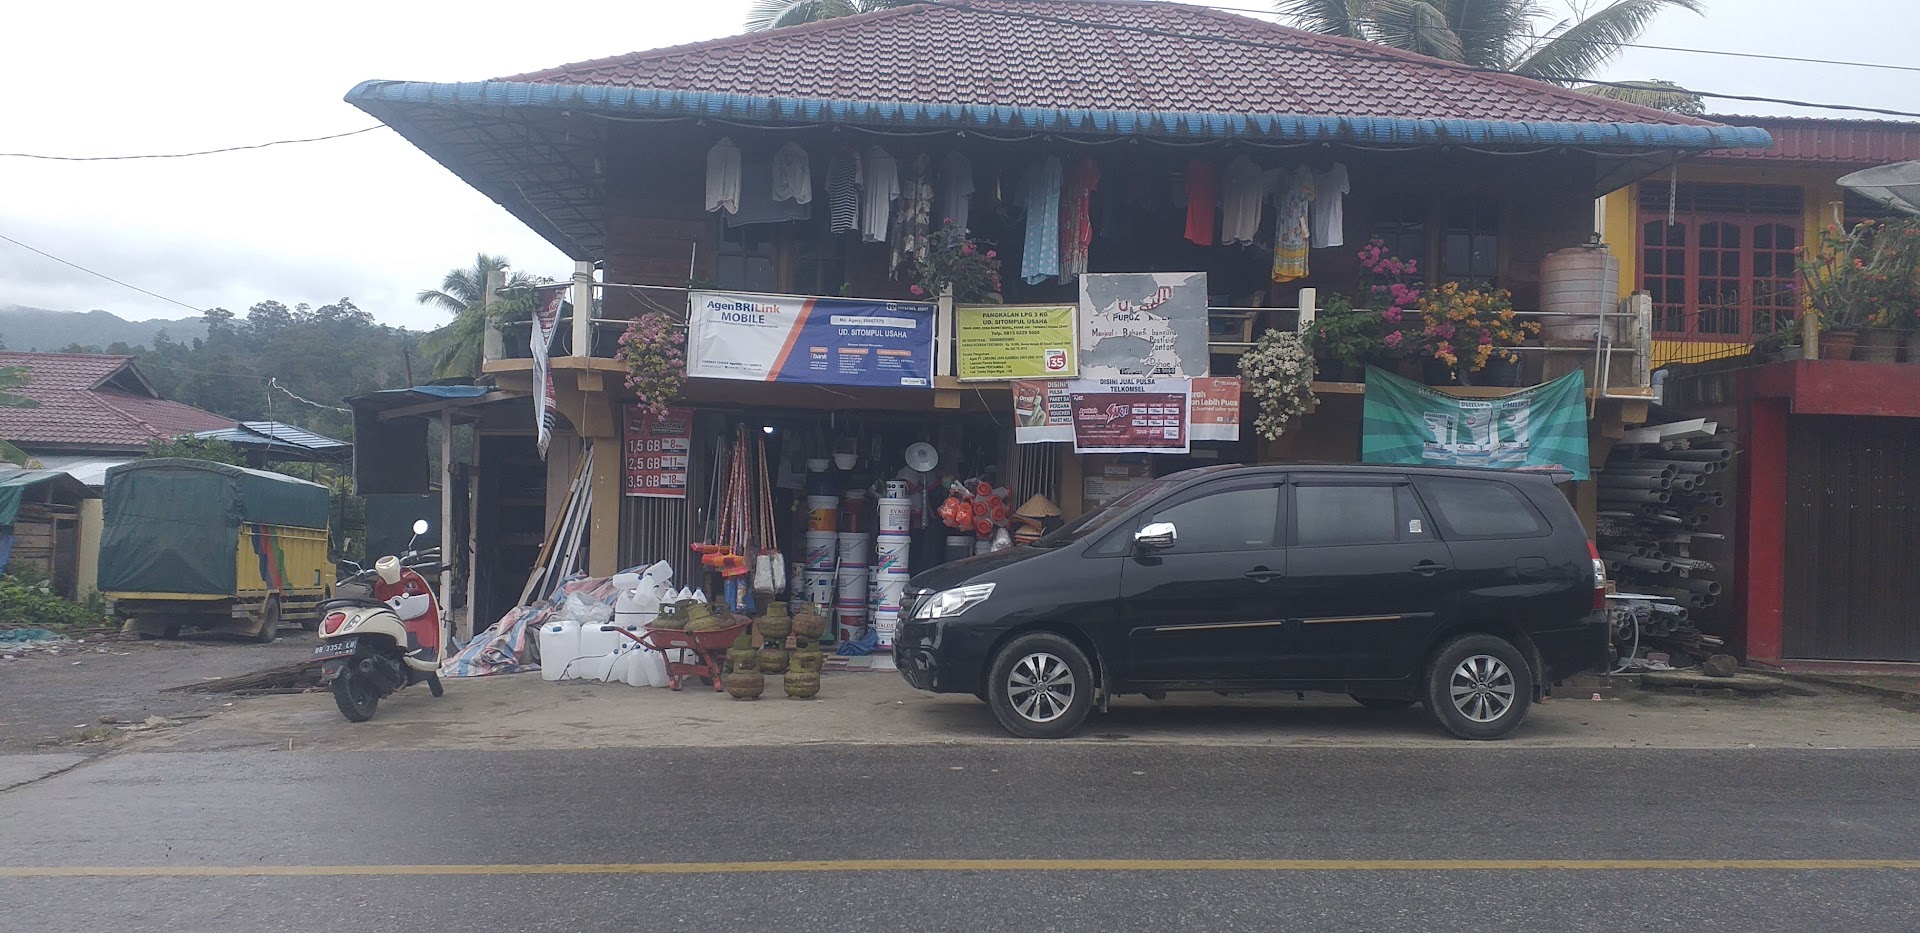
(350, 602)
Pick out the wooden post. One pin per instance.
(943, 334)
(1308, 298)
(493, 343)
(1809, 337)
(446, 529)
(467, 626)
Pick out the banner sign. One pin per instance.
(654, 459)
(1143, 325)
(1043, 411)
(822, 341)
(1130, 416)
(548, 304)
(1015, 341)
(1541, 428)
(1216, 408)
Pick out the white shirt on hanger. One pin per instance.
(792, 175)
(723, 177)
(1329, 211)
(877, 192)
(1242, 191)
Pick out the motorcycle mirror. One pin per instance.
(419, 526)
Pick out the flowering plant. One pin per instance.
(1867, 274)
(654, 351)
(1353, 331)
(1467, 327)
(971, 267)
(1278, 372)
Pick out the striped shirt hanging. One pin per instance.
(843, 193)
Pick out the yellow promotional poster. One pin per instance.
(1016, 341)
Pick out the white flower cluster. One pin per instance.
(1278, 371)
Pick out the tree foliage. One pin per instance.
(456, 349)
(13, 377)
(1521, 36)
(772, 14)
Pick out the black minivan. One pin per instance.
(1466, 590)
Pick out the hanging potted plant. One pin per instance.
(1278, 373)
(653, 349)
(954, 260)
(1474, 331)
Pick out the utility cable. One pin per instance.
(184, 155)
(101, 275)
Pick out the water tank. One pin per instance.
(1584, 280)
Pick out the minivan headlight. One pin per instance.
(949, 603)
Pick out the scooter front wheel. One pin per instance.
(356, 698)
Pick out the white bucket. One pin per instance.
(856, 548)
(959, 546)
(889, 593)
(823, 513)
(894, 489)
(885, 622)
(821, 551)
(896, 516)
(852, 622)
(891, 556)
(851, 585)
(559, 643)
(817, 587)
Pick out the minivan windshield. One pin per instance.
(1101, 517)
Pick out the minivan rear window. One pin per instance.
(1469, 509)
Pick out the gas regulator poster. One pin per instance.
(1143, 325)
(823, 341)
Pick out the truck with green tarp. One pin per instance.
(196, 544)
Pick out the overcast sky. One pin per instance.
(372, 218)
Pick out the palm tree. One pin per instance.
(772, 14)
(13, 377)
(456, 349)
(1497, 34)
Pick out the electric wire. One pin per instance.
(185, 155)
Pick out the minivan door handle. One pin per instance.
(1263, 575)
(1427, 568)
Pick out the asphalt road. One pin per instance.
(725, 839)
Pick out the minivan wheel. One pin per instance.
(1479, 687)
(1040, 686)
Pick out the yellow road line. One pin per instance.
(957, 865)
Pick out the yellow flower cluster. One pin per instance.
(1472, 324)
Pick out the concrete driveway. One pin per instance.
(523, 711)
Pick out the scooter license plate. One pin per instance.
(335, 649)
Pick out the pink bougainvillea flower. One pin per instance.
(1392, 340)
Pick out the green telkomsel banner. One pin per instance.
(1544, 427)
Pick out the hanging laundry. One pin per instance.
(1330, 190)
(1290, 233)
(1076, 218)
(843, 193)
(1242, 192)
(723, 176)
(956, 189)
(758, 181)
(879, 186)
(1202, 191)
(1040, 260)
(915, 210)
(792, 175)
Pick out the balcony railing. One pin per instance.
(1614, 350)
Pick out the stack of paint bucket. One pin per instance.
(892, 555)
(822, 542)
(852, 581)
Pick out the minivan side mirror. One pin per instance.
(1157, 536)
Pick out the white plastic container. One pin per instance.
(600, 646)
(889, 594)
(559, 644)
(817, 588)
(896, 516)
(636, 608)
(642, 668)
(856, 548)
(851, 585)
(891, 554)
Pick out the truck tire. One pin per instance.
(269, 621)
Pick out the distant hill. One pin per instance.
(39, 329)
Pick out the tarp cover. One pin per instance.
(173, 525)
(14, 486)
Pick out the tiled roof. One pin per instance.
(94, 401)
(1111, 55)
(1822, 139)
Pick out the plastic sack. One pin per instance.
(586, 612)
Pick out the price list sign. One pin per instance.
(655, 455)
